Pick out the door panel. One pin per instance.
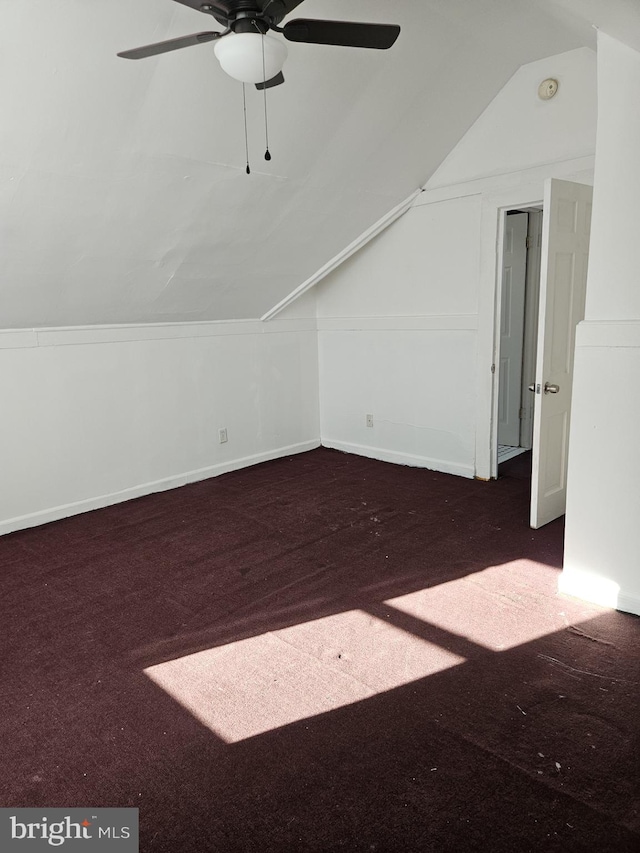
(514, 270)
(565, 250)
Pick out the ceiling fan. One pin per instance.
(246, 51)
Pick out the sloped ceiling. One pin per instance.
(123, 194)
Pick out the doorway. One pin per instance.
(561, 278)
(518, 323)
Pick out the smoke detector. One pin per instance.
(547, 89)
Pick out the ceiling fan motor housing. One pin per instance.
(246, 16)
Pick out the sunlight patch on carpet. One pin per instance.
(498, 608)
(261, 683)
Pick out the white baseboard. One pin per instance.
(398, 458)
(628, 603)
(175, 481)
(589, 587)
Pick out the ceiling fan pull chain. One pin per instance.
(267, 154)
(246, 135)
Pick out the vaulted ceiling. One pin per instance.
(123, 193)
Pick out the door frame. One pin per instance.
(535, 214)
(497, 325)
(494, 212)
(509, 423)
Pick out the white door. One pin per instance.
(563, 279)
(514, 273)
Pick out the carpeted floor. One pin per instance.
(320, 653)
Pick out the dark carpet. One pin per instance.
(320, 653)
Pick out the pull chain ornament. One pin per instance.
(267, 154)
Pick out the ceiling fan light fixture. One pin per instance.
(240, 56)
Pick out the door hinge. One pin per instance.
(528, 242)
(521, 414)
(493, 368)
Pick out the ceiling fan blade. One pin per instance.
(269, 84)
(346, 33)
(170, 44)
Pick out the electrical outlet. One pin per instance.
(369, 420)
(222, 435)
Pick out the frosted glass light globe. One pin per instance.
(240, 55)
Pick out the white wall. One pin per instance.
(102, 414)
(602, 550)
(520, 131)
(396, 336)
(405, 327)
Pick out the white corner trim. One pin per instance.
(628, 603)
(399, 458)
(505, 181)
(608, 333)
(111, 334)
(382, 223)
(419, 322)
(18, 339)
(77, 507)
(581, 584)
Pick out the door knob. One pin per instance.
(551, 389)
